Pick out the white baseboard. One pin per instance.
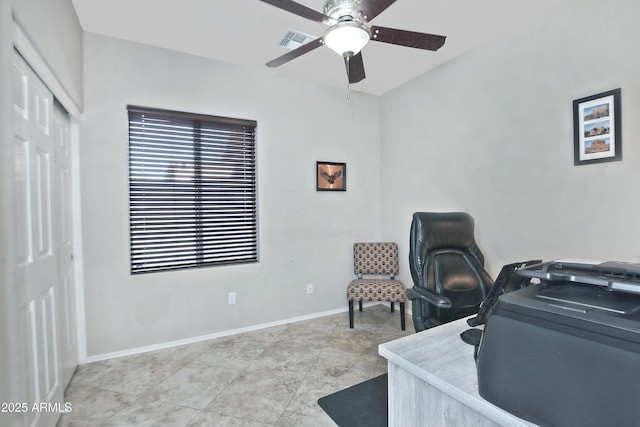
(161, 346)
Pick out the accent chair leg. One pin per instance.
(402, 322)
(351, 314)
(360, 305)
(392, 306)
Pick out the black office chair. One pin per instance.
(447, 268)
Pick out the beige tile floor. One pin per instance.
(270, 377)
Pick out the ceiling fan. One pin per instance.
(348, 32)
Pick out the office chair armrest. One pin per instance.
(428, 295)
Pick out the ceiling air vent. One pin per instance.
(294, 39)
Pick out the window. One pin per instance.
(192, 190)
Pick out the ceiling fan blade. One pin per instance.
(372, 8)
(407, 38)
(300, 10)
(308, 47)
(355, 68)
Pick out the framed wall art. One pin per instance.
(597, 134)
(331, 176)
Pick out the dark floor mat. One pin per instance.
(363, 404)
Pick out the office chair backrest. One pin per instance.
(431, 231)
(445, 260)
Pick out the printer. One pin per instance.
(566, 351)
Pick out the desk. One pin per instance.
(433, 382)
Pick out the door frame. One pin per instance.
(11, 384)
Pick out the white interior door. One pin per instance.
(63, 243)
(37, 279)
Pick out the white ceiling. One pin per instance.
(248, 32)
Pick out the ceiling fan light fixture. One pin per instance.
(347, 37)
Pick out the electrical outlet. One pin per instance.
(232, 297)
(309, 288)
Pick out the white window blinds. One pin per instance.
(192, 190)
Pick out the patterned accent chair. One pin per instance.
(376, 258)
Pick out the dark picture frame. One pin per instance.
(597, 133)
(331, 176)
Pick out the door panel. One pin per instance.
(63, 244)
(51, 366)
(22, 205)
(42, 182)
(28, 317)
(37, 276)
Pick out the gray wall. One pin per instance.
(53, 27)
(491, 133)
(304, 236)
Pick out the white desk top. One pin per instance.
(440, 358)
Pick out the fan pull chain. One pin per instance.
(347, 58)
